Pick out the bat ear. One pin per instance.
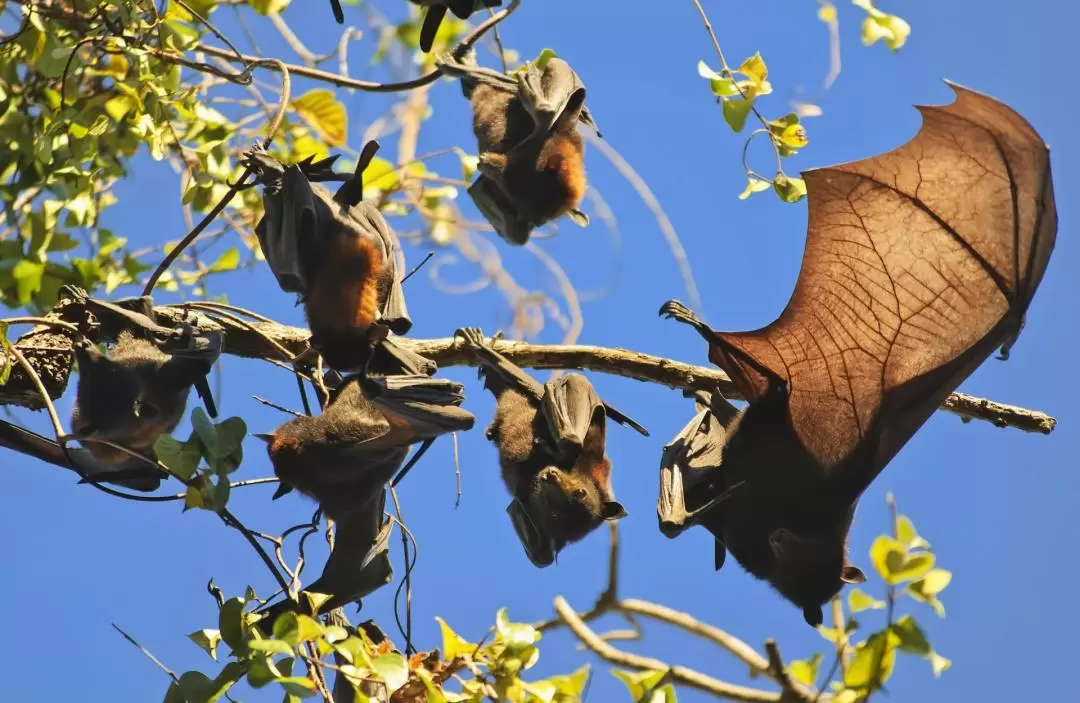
(813, 615)
(264, 436)
(719, 555)
(852, 574)
(578, 217)
(612, 510)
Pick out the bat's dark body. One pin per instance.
(138, 391)
(337, 252)
(918, 264)
(532, 167)
(551, 440)
(433, 17)
(344, 457)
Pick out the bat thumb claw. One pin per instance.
(264, 436)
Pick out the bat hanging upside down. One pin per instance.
(918, 264)
(532, 167)
(344, 457)
(436, 11)
(336, 252)
(552, 452)
(138, 391)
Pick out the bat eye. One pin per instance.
(579, 493)
(148, 411)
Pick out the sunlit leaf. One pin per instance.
(453, 644)
(753, 185)
(859, 600)
(790, 190)
(326, 115)
(911, 637)
(736, 111)
(207, 640)
(393, 669)
(805, 672)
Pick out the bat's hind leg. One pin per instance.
(675, 310)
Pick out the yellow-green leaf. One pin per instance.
(754, 68)
(790, 190)
(735, 112)
(380, 174)
(859, 600)
(933, 583)
(910, 636)
(882, 25)
(794, 136)
(453, 644)
(326, 115)
(872, 664)
(265, 7)
(939, 664)
(805, 671)
(753, 185)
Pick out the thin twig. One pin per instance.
(680, 675)
(144, 650)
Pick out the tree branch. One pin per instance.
(50, 353)
(680, 675)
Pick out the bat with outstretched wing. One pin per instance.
(344, 457)
(337, 252)
(918, 264)
(531, 162)
(552, 451)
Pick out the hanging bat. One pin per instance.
(532, 167)
(551, 440)
(132, 473)
(337, 252)
(344, 458)
(138, 391)
(918, 263)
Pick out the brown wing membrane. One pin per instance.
(918, 263)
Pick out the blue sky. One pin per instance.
(997, 504)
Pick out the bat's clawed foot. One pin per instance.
(678, 311)
(473, 337)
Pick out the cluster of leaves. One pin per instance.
(902, 559)
(220, 445)
(374, 668)
(787, 134)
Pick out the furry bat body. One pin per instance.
(918, 264)
(337, 252)
(532, 167)
(552, 452)
(138, 391)
(344, 457)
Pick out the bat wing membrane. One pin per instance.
(906, 286)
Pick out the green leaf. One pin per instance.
(639, 683)
(206, 432)
(881, 25)
(859, 600)
(174, 694)
(542, 59)
(572, 686)
(790, 190)
(910, 636)
(755, 69)
(753, 185)
(266, 7)
(874, 654)
(517, 636)
(393, 669)
(314, 600)
(736, 111)
(326, 115)
(453, 644)
(271, 646)
(805, 672)
(207, 640)
(929, 586)
(287, 628)
(27, 275)
(721, 86)
(232, 626)
(181, 458)
(9, 358)
(905, 532)
(893, 562)
(380, 175)
(300, 686)
(228, 261)
(195, 686)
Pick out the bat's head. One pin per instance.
(562, 507)
(810, 570)
(131, 397)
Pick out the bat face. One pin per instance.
(935, 250)
(131, 397)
